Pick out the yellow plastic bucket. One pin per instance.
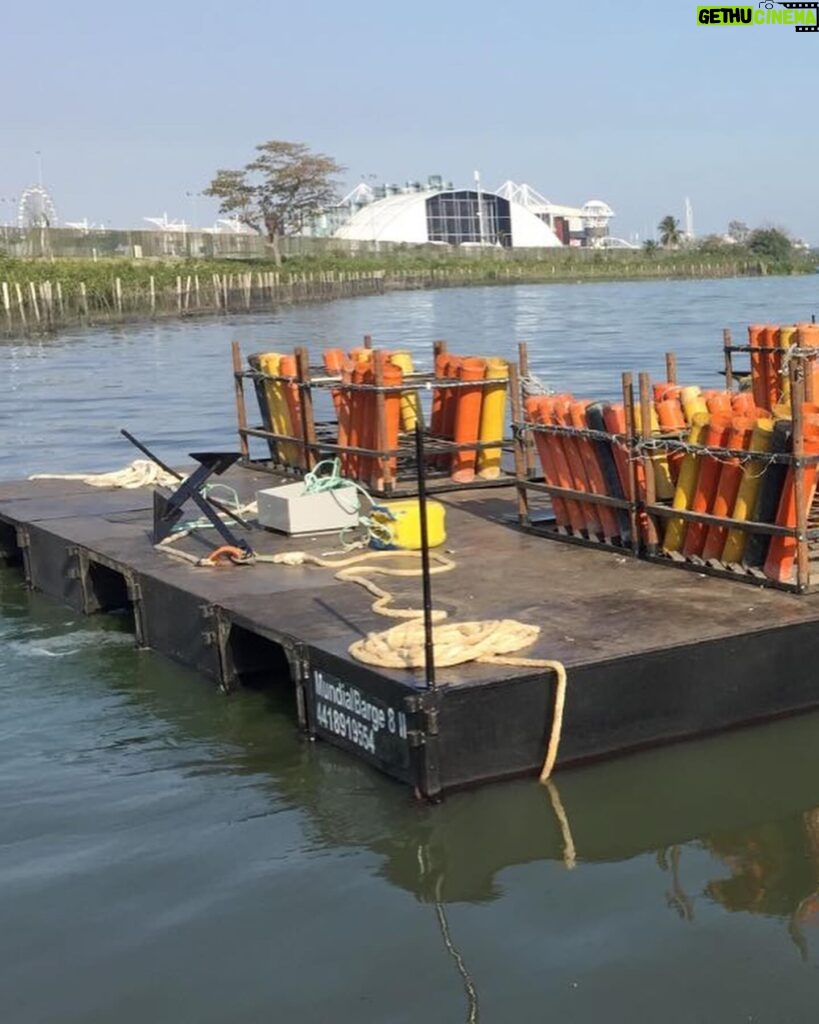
(400, 522)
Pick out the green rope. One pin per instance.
(231, 499)
(318, 482)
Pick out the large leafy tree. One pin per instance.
(770, 243)
(278, 191)
(669, 228)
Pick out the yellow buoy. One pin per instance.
(493, 418)
(692, 402)
(409, 399)
(663, 486)
(270, 362)
(786, 339)
(748, 493)
(686, 485)
(400, 523)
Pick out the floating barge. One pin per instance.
(652, 656)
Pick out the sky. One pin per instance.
(133, 107)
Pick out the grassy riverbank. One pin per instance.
(45, 294)
(543, 264)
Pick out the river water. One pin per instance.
(169, 854)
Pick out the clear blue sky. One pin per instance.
(133, 105)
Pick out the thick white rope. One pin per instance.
(140, 473)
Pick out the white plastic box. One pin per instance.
(289, 510)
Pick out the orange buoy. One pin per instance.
(714, 436)
(580, 482)
(782, 550)
(287, 368)
(392, 376)
(807, 336)
(614, 417)
(719, 403)
(362, 421)
(533, 413)
(773, 376)
(467, 418)
(759, 382)
(334, 363)
(730, 478)
(594, 473)
(672, 421)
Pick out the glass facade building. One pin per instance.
(469, 216)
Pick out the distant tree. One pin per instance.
(279, 191)
(669, 228)
(650, 246)
(770, 243)
(712, 244)
(738, 231)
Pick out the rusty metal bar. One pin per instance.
(652, 538)
(799, 394)
(239, 390)
(521, 471)
(729, 360)
(671, 367)
(628, 409)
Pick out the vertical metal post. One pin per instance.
(799, 368)
(308, 423)
(628, 408)
(368, 341)
(429, 642)
(727, 342)
(528, 447)
(671, 367)
(241, 409)
(382, 470)
(648, 465)
(521, 473)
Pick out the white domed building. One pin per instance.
(447, 216)
(515, 216)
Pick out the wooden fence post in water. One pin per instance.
(60, 300)
(118, 289)
(34, 305)
(152, 292)
(178, 293)
(7, 301)
(83, 299)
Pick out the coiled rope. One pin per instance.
(493, 641)
(140, 473)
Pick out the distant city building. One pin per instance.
(515, 216)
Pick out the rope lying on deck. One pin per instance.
(140, 473)
(492, 641)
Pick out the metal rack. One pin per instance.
(319, 438)
(646, 513)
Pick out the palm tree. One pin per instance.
(669, 228)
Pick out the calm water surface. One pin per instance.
(169, 854)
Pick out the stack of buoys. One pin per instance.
(375, 402)
(279, 401)
(470, 411)
(718, 480)
(370, 421)
(770, 384)
(594, 465)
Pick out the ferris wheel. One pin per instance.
(36, 209)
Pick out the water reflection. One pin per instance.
(759, 825)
